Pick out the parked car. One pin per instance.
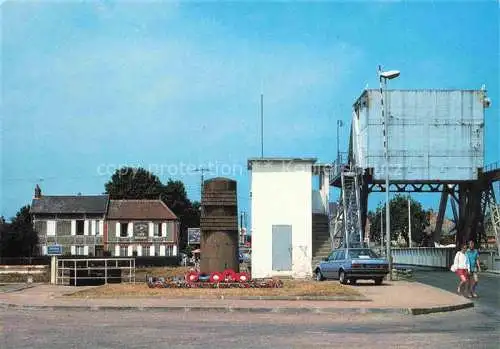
(349, 265)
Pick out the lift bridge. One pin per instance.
(435, 145)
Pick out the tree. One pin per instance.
(399, 220)
(137, 183)
(18, 238)
(133, 183)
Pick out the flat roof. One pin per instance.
(252, 160)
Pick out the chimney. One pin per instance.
(38, 192)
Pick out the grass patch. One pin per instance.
(291, 288)
(166, 272)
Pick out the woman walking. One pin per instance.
(462, 268)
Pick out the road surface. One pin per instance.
(488, 288)
(37, 329)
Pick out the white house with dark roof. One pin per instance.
(74, 222)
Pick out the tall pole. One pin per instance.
(338, 142)
(409, 223)
(383, 88)
(202, 170)
(262, 125)
(382, 231)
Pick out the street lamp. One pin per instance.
(383, 77)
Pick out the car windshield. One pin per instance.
(362, 253)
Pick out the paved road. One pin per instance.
(36, 329)
(488, 288)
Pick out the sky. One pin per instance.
(89, 86)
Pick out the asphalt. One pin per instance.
(62, 329)
(488, 288)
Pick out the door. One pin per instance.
(327, 266)
(282, 247)
(337, 263)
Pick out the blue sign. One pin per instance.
(54, 250)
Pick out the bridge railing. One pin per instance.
(439, 257)
(491, 167)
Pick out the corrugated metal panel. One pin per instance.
(433, 134)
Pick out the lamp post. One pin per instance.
(383, 77)
(339, 125)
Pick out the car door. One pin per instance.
(337, 263)
(328, 265)
(340, 260)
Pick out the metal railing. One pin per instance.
(491, 167)
(87, 271)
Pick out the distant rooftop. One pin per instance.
(70, 204)
(139, 209)
(288, 160)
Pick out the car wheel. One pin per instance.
(342, 277)
(352, 281)
(319, 275)
(378, 281)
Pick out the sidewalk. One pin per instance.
(397, 297)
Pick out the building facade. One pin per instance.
(91, 225)
(141, 228)
(283, 204)
(74, 222)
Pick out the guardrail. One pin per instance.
(491, 167)
(424, 256)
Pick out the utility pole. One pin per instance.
(409, 223)
(381, 232)
(202, 170)
(262, 125)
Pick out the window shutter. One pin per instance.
(162, 250)
(117, 250)
(151, 229)
(73, 227)
(164, 230)
(152, 250)
(174, 250)
(86, 227)
(139, 250)
(101, 227)
(117, 230)
(73, 250)
(92, 227)
(86, 250)
(130, 250)
(130, 231)
(44, 250)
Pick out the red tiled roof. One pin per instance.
(139, 209)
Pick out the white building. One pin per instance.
(283, 204)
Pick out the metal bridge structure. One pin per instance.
(435, 144)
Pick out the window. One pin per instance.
(80, 227)
(51, 228)
(332, 255)
(123, 232)
(169, 250)
(97, 227)
(340, 256)
(123, 251)
(80, 250)
(362, 253)
(157, 229)
(99, 250)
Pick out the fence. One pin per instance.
(424, 256)
(95, 271)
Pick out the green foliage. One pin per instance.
(18, 238)
(137, 183)
(399, 220)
